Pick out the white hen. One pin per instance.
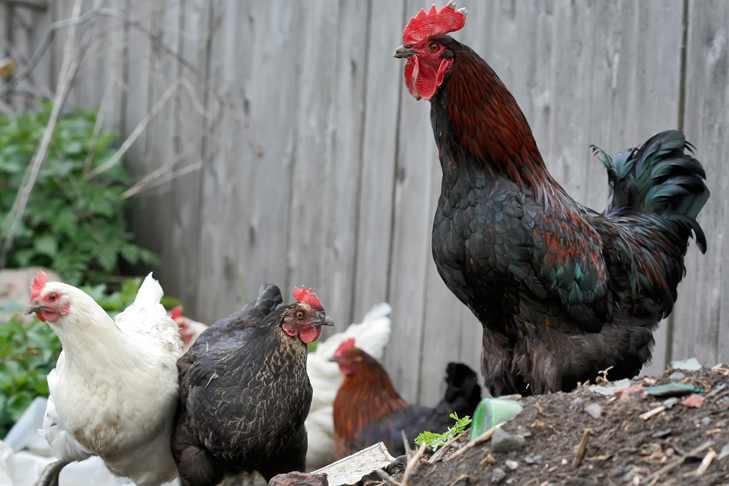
(372, 335)
(113, 392)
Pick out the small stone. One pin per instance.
(533, 458)
(724, 452)
(660, 434)
(670, 402)
(693, 401)
(629, 392)
(691, 364)
(706, 421)
(299, 479)
(594, 410)
(677, 376)
(503, 441)
(497, 475)
(511, 464)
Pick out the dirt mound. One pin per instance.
(585, 438)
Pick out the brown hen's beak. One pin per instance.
(403, 52)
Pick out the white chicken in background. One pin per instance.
(113, 392)
(189, 329)
(371, 335)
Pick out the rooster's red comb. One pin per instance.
(346, 344)
(39, 281)
(434, 22)
(308, 296)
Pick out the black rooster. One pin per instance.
(562, 292)
(244, 391)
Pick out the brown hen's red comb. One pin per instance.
(176, 312)
(346, 344)
(308, 296)
(39, 281)
(434, 22)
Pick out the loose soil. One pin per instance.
(666, 448)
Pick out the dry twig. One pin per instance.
(412, 465)
(582, 448)
(653, 478)
(485, 437)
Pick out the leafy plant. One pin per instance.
(74, 222)
(434, 441)
(27, 353)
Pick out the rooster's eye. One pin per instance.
(433, 47)
(300, 315)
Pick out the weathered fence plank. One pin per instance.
(379, 153)
(702, 315)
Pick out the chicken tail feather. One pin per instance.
(51, 473)
(660, 177)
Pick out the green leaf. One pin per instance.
(45, 245)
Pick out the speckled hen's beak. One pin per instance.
(322, 320)
(403, 52)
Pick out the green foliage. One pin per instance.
(74, 224)
(27, 353)
(434, 441)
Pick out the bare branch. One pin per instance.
(138, 130)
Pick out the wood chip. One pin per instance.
(582, 447)
(651, 413)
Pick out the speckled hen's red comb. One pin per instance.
(39, 281)
(434, 22)
(308, 296)
(346, 344)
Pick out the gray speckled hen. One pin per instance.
(244, 391)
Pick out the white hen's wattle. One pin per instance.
(372, 335)
(113, 392)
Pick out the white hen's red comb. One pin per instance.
(434, 22)
(39, 281)
(308, 296)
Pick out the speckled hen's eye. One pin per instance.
(300, 315)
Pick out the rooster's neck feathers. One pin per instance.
(485, 120)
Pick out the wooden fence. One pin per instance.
(317, 167)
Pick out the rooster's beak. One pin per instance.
(403, 52)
